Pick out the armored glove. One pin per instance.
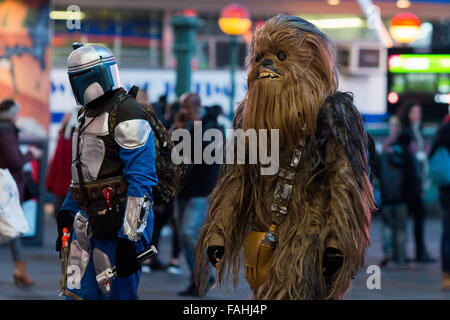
(64, 220)
(333, 260)
(126, 258)
(215, 253)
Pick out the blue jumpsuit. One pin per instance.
(139, 171)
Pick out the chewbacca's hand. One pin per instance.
(333, 260)
(215, 254)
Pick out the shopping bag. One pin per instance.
(12, 219)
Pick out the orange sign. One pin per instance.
(235, 20)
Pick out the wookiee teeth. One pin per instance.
(268, 75)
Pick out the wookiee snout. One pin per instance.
(269, 71)
(267, 62)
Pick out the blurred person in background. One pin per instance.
(394, 131)
(399, 177)
(410, 115)
(192, 199)
(163, 213)
(13, 160)
(160, 106)
(442, 140)
(59, 175)
(387, 215)
(142, 98)
(169, 115)
(211, 116)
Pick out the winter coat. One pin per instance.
(10, 156)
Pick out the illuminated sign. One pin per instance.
(405, 27)
(419, 63)
(234, 20)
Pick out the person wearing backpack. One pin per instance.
(441, 149)
(108, 210)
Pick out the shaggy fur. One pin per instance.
(332, 198)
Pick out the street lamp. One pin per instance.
(235, 21)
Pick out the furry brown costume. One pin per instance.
(292, 83)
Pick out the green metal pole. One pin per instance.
(184, 48)
(233, 63)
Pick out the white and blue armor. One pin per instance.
(102, 153)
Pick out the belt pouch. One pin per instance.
(105, 223)
(257, 259)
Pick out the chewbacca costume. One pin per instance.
(304, 230)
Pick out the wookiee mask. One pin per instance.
(291, 72)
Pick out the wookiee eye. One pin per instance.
(259, 57)
(281, 56)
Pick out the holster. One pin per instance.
(64, 264)
(257, 259)
(105, 223)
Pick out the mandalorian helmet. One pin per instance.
(92, 71)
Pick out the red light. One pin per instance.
(235, 10)
(190, 12)
(194, 64)
(394, 61)
(392, 97)
(259, 24)
(405, 19)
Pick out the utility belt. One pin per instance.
(94, 190)
(104, 205)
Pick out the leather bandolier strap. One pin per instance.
(259, 246)
(283, 191)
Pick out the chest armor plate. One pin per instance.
(92, 147)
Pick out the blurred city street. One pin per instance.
(417, 281)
